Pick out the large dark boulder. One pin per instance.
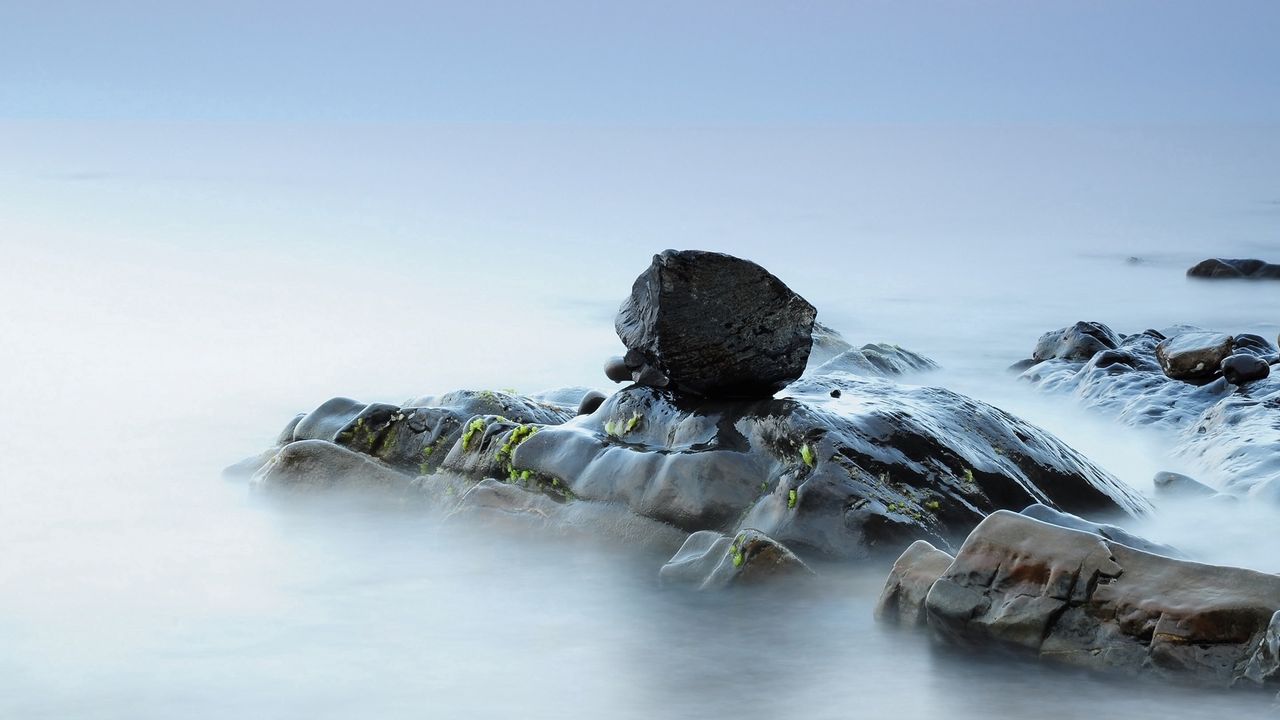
(1224, 269)
(846, 477)
(1077, 598)
(714, 325)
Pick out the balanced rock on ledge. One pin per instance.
(713, 325)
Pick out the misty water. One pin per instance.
(167, 318)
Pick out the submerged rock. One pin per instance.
(1044, 513)
(1176, 485)
(1220, 269)
(1077, 598)
(714, 325)
(1194, 355)
(877, 360)
(711, 561)
(319, 466)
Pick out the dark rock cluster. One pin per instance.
(1214, 390)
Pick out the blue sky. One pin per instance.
(655, 62)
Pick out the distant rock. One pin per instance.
(1224, 269)
(1077, 598)
(714, 325)
(1193, 356)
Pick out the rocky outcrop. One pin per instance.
(1077, 598)
(845, 477)
(1230, 431)
(714, 325)
(1223, 269)
(841, 477)
(844, 467)
(711, 561)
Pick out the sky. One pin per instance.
(657, 62)
(261, 192)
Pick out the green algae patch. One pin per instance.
(806, 454)
(476, 426)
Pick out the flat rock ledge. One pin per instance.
(1076, 598)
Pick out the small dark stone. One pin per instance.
(835, 393)
(590, 402)
(1242, 368)
(616, 370)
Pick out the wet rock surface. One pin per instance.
(1241, 368)
(877, 360)
(1078, 598)
(711, 561)
(1193, 356)
(1046, 514)
(1231, 431)
(844, 477)
(1224, 269)
(714, 325)
(1177, 485)
(1078, 342)
(845, 467)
